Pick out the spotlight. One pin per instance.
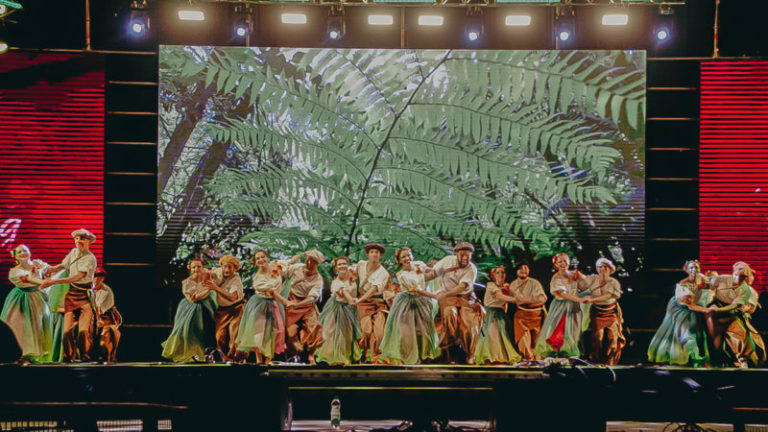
(615, 19)
(3, 47)
(138, 20)
(3, 9)
(474, 27)
(664, 24)
(383, 20)
(293, 18)
(517, 20)
(565, 26)
(243, 22)
(662, 33)
(191, 15)
(431, 20)
(336, 27)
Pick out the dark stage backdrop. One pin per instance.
(522, 153)
(733, 166)
(52, 153)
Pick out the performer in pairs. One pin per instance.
(262, 327)
(495, 344)
(729, 319)
(530, 313)
(302, 328)
(78, 322)
(341, 327)
(193, 327)
(373, 293)
(561, 332)
(461, 317)
(25, 309)
(229, 295)
(109, 319)
(681, 339)
(410, 336)
(605, 318)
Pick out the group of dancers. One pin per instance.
(425, 313)
(64, 312)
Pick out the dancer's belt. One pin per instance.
(530, 308)
(605, 307)
(233, 305)
(81, 286)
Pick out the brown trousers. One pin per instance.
(302, 329)
(227, 322)
(109, 336)
(527, 324)
(373, 320)
(606, 323)
(460, 323)
(77, 326)
(736, 330)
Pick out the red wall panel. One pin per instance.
(51, 152)
(733, 166)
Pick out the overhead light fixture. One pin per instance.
(431, 20)
(336, 27)
(474, 26)
(517, 20)
(243, 21)
(191, 15)
(293, 18)
(664, 24)
(382, 20)
(565, 26)
(138, 20)
(3, 9)
(3, 47)
(615, 19)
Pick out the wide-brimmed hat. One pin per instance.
(84, 233)
(464, 246)
(376, 246)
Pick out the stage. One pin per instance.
(228, 397)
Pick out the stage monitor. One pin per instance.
(522, 153)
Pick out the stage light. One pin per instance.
(243, 22)
(517, 20)
(431, 20)
(336, 27)
(474, 27)
(138, 24)
(615, 19)
(664, 23)
(191, 15)
(662, 33)
(3, 9)
(3, 47)
(380, 19)
(293, 18)
(565, 26)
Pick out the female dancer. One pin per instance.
(561, 332)
(26, 309)
(262, 328)
(681, 339)
(341, 328)
(193, 328)
(605, 319)
(495, 344)
(410, 336)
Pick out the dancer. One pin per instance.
(302, 329)
(495, 344)
(530, 313)
(262, 328)
(193, 327)
(25, 309)
(681, 339)
(729, 318)
(341, 327)
(410, 336)
(461, 317)
(79, 309)
(109, 319)
(229, 295)
(561, 332)
(373, 293)
(605, 318)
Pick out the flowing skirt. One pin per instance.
(26, 313)
(495, 343)
(261, 327)
(56, 294)
(681, 339)
(188, 337)
(561, 332)
(410, 335)
(341, 330)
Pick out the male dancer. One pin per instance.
(303, 331)
(530, 298)
(227, 283)
(373, 291)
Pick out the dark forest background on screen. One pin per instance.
(522, 153)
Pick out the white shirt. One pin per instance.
(379, 278)
(17, 273)
(262, 283)
(338, 287)
(190, 287)
(104, 299)
(75, 262)
(232, 285)
(303, 286)
(527, 290)
(452, 275)
(490, 299)
(412, 280)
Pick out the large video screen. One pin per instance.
(522, 153)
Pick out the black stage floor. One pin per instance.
(197, 396)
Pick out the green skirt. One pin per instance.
(341, 330)
(495, 344)
(26, 313)
(187, 338)
(561, 332)
(681, 339)
(410, 335)
(261, 327)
